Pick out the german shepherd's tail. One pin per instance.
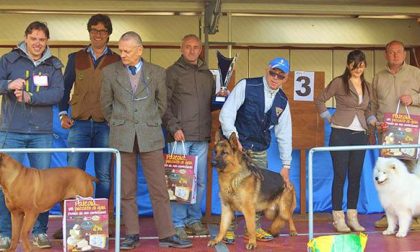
(288, 196)
(282, 212)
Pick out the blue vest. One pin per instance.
(252, 123)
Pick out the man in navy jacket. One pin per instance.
(255, 106)
(31, 82)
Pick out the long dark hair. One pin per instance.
(356, 57)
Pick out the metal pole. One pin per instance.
(206, 45)
(118, 201)
(206, 36)
(229, 15)
(310, 195)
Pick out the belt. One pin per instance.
(93, 120)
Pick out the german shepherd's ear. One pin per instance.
(218, 136)
(233, 140)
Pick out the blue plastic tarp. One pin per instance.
(322, 175)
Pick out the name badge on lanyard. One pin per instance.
(41, 80)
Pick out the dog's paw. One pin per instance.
(251, 245)
(293, 233)
(212, 243)
(401, 234)
(388, 232)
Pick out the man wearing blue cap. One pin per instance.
(254, 107)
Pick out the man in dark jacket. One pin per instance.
(188, 119)
(31, 82)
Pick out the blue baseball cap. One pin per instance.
(280, 63)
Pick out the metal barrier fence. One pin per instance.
(117, 176)
(338, 148)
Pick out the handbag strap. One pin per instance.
(398, 109)
(174, 148)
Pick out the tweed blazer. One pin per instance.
(347, 105)
(137, 113)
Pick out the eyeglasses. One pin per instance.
(98, 32)
(277, 75)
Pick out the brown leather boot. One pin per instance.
(339, 222)
(353, 222)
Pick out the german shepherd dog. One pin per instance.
(245, 187)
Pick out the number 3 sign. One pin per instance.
(304, 86)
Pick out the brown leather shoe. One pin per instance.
(415, 224)
(111, 226)
(175, 242)
(58, 235)
(130, 242)
(196, 229)
(381, 223)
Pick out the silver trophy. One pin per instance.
(226, 66)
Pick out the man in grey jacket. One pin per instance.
(31, 82)
(188, 119)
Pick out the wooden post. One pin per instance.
(308, 127)
(215, 125)
(208, 217)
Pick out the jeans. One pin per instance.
(347, 162)
(36, 160)
(187, 214)
(87, 134)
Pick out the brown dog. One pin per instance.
(29, 192)
(249, 189)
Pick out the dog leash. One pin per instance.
(252, 166)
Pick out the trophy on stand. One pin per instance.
(226, 66)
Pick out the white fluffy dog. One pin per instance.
(399, 193)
